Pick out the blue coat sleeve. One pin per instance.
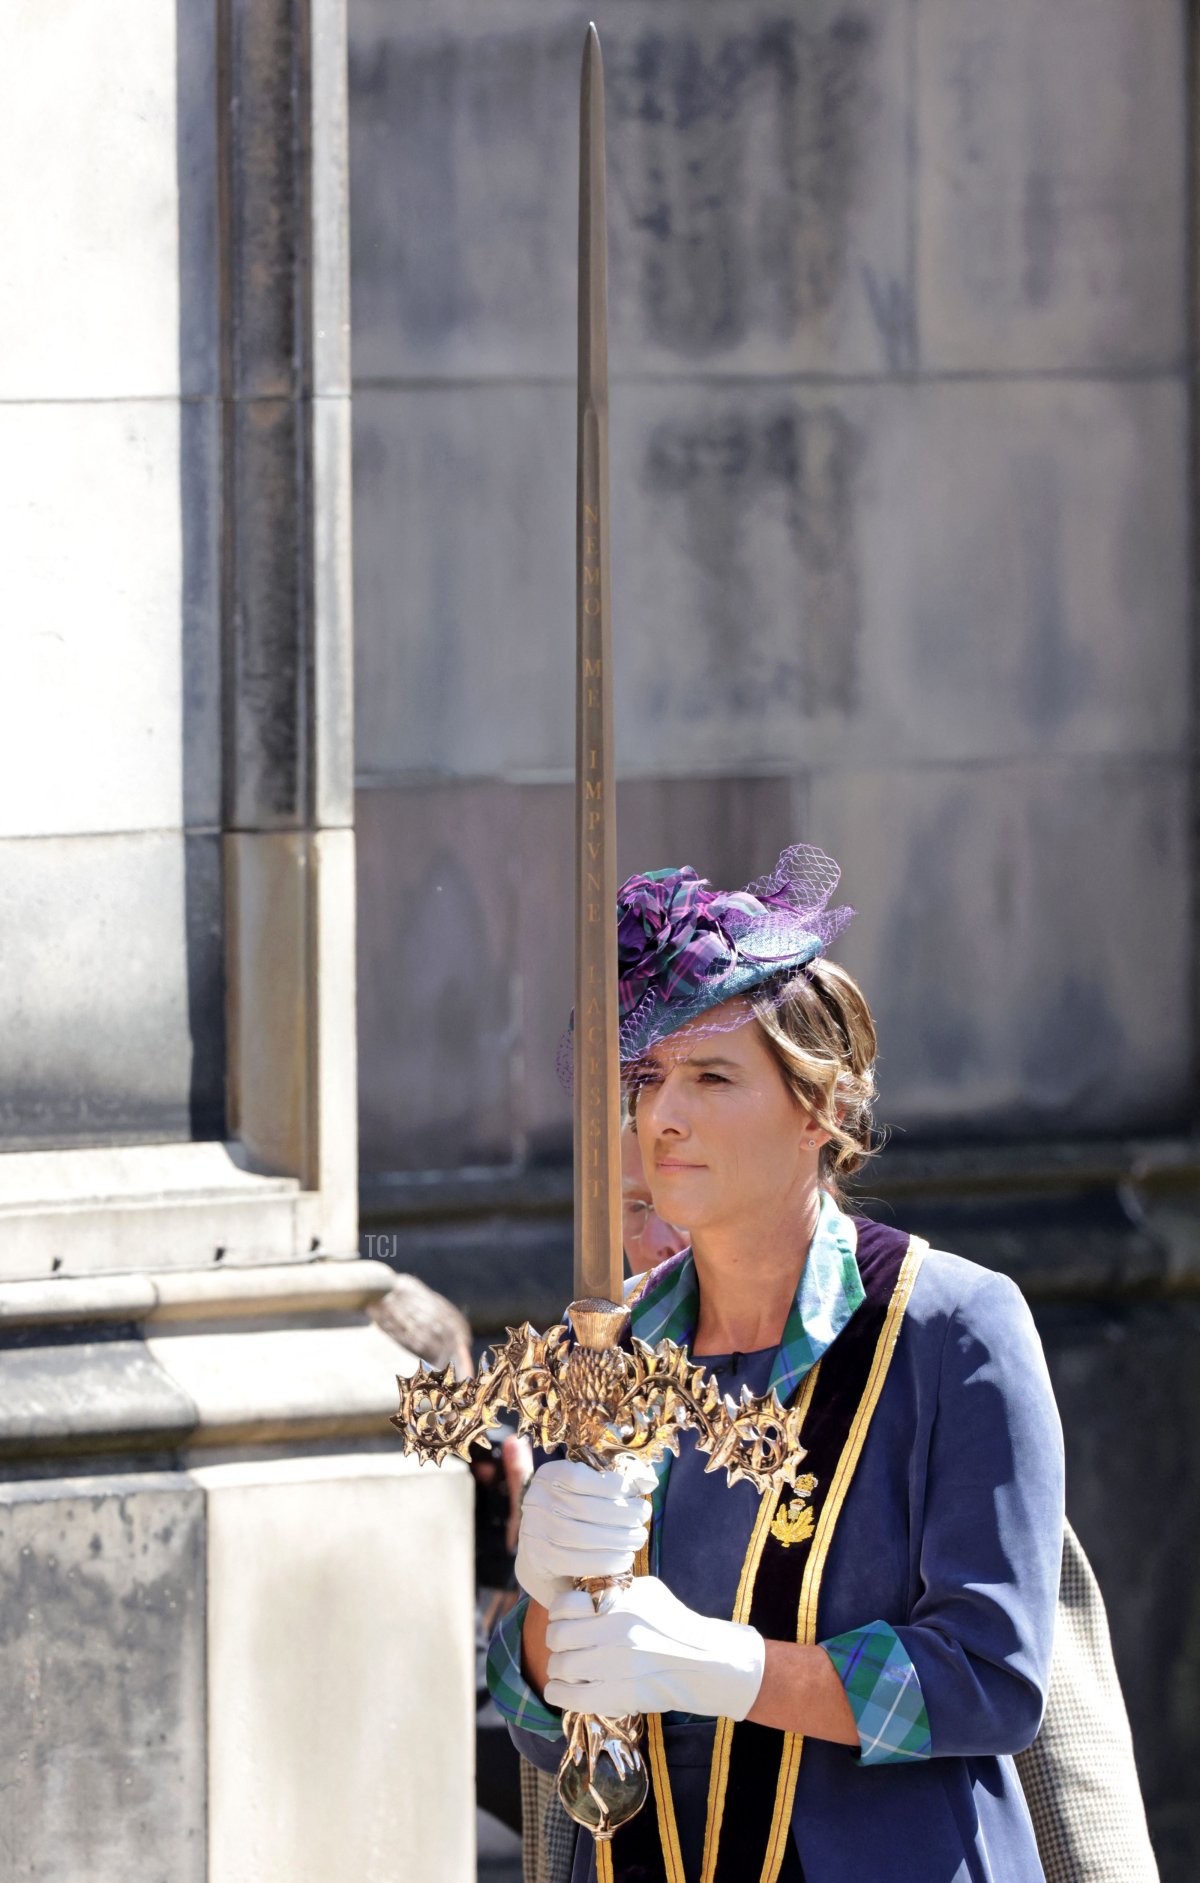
(981, 1631)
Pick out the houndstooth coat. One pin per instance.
(1079, 1778)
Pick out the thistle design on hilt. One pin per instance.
(602, 1402)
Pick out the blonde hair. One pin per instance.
(820, 1032)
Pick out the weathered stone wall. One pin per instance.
(900, 492)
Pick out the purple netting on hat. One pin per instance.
(684, 949)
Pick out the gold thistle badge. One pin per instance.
(794, 1522)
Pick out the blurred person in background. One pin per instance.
(646, 1239)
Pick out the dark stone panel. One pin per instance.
(264, 137)
(1053, 184)
(1023, 566)
(1070, 1243)
(500, 1271)
(757, 201)
(740, 515)
(197, 167)
(200, 609)
(1127, 1380)
(267, 629)
(102, 1730)
(437, 977)
(729, 829)
(464, 556)
(741, 601)
(112, 997)
(832, 577)
(204, 955)
(759, 165)
(1024, 937)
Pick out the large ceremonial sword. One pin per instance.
(598, 1260)
(576, 1387)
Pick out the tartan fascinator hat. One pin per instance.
(684, 948)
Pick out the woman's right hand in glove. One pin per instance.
(580, 1522)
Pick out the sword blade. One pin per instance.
(597, 1065)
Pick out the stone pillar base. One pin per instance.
(236, 1637)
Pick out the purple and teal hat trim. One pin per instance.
(684, 948)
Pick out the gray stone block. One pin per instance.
(738, 611)
(268, 886)
(109, 709)
(332, 1171)
(330, 251)
(103, 110)
(1021, 557)
(757, 196)
(1022, 936)
(739, 538)
(464, 580)
(102, 1730)
(112, 999)
(285, 1382)
(64, 1392)
(1127, 1380)
(291, 1084)
(1051, 185)
(438, 1008)
(933, 571)
(340, 1668)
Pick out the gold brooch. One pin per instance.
(795, 1522)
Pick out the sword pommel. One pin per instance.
(598, 1325)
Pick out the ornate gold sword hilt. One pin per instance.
(601, 1402)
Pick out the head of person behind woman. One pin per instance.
(761, 1098)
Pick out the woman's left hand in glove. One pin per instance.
(647, 1653)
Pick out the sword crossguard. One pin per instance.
(602, 1403)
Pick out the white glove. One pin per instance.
(580, 1522)
(649, 1654)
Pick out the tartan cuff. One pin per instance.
(884, 1693)
(507, 1684)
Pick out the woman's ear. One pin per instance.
(815, 1135)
